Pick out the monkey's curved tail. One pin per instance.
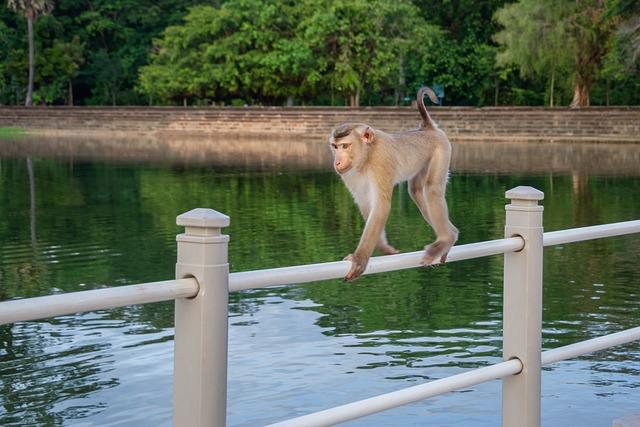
(427, 122)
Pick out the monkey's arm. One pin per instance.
(382, 243)
(370, 236)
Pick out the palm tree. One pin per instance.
(31, 9)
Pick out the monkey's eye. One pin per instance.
(345, 146)
(334, 146)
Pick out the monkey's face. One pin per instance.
(343, 153)
(350, 148)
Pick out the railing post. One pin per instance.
(201, 323)
(522, 311)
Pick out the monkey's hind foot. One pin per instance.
(434, 251)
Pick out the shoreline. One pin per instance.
(590, 158)
(462, 124)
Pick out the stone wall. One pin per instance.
(598, 124)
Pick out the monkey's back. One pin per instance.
(413, 149)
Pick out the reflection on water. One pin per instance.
(488, 157)
(293, 350)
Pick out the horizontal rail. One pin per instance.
(99, 299)
(394, 399)
(380, 403)
(590, 346)
(580, 234)
(332, 270)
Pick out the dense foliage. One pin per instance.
(329, 52)
(565, 39)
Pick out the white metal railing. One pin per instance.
(405, 396)
(203, 283)
(338, 269)
(20, 310)
(467, 379)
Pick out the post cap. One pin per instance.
(524, 193)
(202, 217)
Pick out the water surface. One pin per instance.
(81, 221)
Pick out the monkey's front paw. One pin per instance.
(358, 265)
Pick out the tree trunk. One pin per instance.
(29, 100)
(354, 99)
(70, 94)
(402, 82)
(289, 101)
(184, 101)
(580, 93)
(496, 94)
(553, 80)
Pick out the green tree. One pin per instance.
(464, 69)
(117, 36)
(534, 40)
(200, 58)
(270, 50)
(593, 33)
(465, 56)
(4, 47)
(558, 37)
(60, 67)
(619, 77)
(629, 31)
(362, 44)
(245, 49)
(322, 52)
(282, 65)
(30, 9)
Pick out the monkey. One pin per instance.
(371, 162)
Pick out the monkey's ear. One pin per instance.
(368, 135)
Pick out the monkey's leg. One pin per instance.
(382, 244)
(437, 211)
(416, 192)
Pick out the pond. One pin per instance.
(84, 214)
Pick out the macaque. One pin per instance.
(371, 162)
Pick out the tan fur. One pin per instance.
(371, 162)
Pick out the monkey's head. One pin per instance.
(350, 145)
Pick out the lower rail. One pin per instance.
(380, 403)
(590, 346)
(372, 405)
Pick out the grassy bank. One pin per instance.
(11, 131)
